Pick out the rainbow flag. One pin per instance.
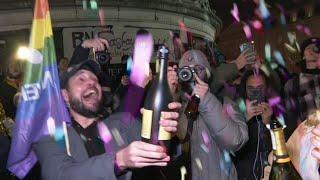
(42, 109)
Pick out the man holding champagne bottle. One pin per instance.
(92, 154)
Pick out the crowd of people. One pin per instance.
(229, 138)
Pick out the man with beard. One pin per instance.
(90, 157)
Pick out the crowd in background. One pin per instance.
(251, 87)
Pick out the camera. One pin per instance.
(103, 57)
(186, 79)
(185, 74)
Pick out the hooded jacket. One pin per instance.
(218, 130)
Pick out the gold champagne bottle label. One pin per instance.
(163, 134)
(146, 124)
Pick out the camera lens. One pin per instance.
(103, 58)
(185, 75)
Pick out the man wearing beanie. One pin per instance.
(303, 91)
(215, 132)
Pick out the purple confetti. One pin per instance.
(235, 12)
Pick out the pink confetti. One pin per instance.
(102, 17)
(182, 26)
(274, 101)
(299, 27)
(304, 29)
(143, 49)
(247, 31)
(307, 31)
(257, 24)
(235, 12)
(104, 133)
(230, 111)
(205, 138)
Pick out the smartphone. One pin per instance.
(256, 94)
(250, 47)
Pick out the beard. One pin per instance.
(78, 106)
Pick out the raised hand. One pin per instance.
(98, 44)
(201, 88)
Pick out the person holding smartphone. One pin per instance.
(227, 76)
(251, 160)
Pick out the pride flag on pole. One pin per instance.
(42, 109)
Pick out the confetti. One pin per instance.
(242, 106)
(183, 172)
(117, 137)
(247, 31)
(267, 52)
(84, 4)
(263, 9)
(304, 29)
(204, 148)
(93, 4)
(229, 110)
(59, 134)
(104, 133)
(274, 65)
(235, 12)
(199, 164)
(265, 69)
(256, 24)
(83, 137)
(66, 137)
(279, 57)
(274, 101)
(290, 48)
(102, 17)
(281, 120)
(307, 31)
(225, 162)
(143, 49)
(129, 65)
(51, 126)
(205, 137)
(292, 37)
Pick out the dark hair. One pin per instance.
(248, 73)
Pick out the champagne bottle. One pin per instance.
(282, 167)
(191, 110)
(157, 100)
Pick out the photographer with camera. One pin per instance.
(302, 92)
(98, 45)
(214, 132)
(251, 159)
